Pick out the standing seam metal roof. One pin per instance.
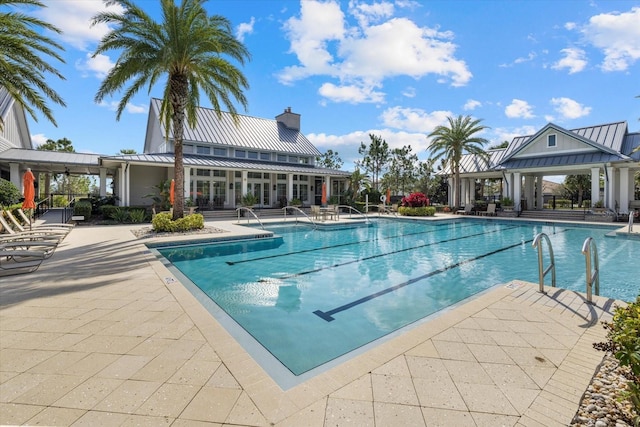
(250, 133)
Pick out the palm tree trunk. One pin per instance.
(456, 187)
(178, 96)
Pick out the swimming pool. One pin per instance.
(309, 296)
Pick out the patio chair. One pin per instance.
(491, 210)
(468, 210)
(47, 248)
(315, 211)
(19, 261)
(8, 234)
(53, 229)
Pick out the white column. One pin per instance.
(245, 174)
(595, 185)
(122, 184)
(539, 192)
(507, 185)
(103, 182)
(610, 188)
(328, 181)
(14, 175)
(626, 185)
(528, 190)
(289, 186)
(517, 188)
(186, 186)
(450, 192)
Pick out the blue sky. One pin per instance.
(395, 69)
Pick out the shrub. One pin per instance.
(137, 215)
(419, 211)
(623, 335)
(120, 215)
(82, 208)
(163, 222)
(415, 200)
(9, 193)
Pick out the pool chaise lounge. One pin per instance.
(62, 229)
(7, 233)
(20, 258)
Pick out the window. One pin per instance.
(220, 152)
(218, 172)
(293, 159)
(265, 156)
(304, 160)
(241, 154)
(252, 155)
(203, 150)
(282, 157)
(238, 174)
(203, 172)
(551, 140)
(282, 176)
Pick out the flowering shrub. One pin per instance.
(421, 211)
(415, 200)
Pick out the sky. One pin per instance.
(392, 69)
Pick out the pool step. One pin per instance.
(555, 215)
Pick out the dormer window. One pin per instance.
(551, 141)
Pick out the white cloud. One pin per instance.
(136, 109)
(570, 26)
(574, 60)
(471, 104)
(530, 57)
(618, 36)
(499, 135)
(74, 17)
(366, 13)
(245, 28)
(409, 92)
(569, 109)
(38, 139)
(98, 66)
(414, 119)
(519, 109)
(325, 45)
(354, 94)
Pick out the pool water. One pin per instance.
(309, 296)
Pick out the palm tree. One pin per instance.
(358, 182)
(450, 143)
(22, 69)
(189, 47)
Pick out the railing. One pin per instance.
(631, 214)
(552, 266)
(351, 208)
(297, 209)
(251, 212)
(588, 248)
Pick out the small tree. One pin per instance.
(9, 193)
(375, 158)
(330, 160)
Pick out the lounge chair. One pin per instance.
(468, 210)
(491, 210)
(8, 234)
(52, 229)
(19, 261)
(47, 248)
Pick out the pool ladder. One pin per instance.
(588, 248)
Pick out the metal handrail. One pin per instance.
(631, 214)
(552, 266)
(589, 247)
(251, 212)
(295, 208)
(366, 218)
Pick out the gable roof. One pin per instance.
(250, 133)
(15, 130)
(607, 138)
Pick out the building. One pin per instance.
(223, 160)
(607, 150)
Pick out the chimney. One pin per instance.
(289, 120)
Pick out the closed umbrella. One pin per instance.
(29, 190)
(324, 194)
(172, 192)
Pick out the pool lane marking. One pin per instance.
(338, 246)
(367, 258)
(328, 315)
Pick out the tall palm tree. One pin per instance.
(189, 48)
(22, 68)
(451, 142)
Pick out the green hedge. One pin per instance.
(82, 208)
(163, 222)
(421, 211)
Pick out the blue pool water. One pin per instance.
(309, 296)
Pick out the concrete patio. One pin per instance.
(104, 334)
